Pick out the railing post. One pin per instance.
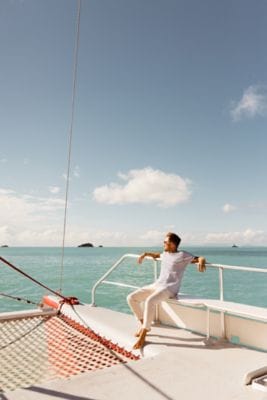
(155, 262)
(112, 268)
(93, 304)
(221, 283)
(223, 333)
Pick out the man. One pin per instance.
(167, 285)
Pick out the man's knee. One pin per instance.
(154, 299)
(130, 297)
(151, 301)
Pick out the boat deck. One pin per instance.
(175, 364)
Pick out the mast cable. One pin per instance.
(68, 300)
(76, 51)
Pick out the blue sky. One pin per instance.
(170, 121)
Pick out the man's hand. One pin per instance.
(140, 259)
(201, 264)
(153, 255)
(201, 261)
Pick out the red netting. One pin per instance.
(34, 350)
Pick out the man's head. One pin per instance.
(171, 242)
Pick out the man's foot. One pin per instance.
(138, 333)
(141, 341)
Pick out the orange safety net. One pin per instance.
(37, 349)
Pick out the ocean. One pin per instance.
(84, 266)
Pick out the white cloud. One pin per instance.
(146, 186)
(76, 172)
(51, 235)
(3, 160)
(154, 236)
(5, 234)
(16, 209)
(227, 208)
(28, 220)
(54, 189)
(109, 236)
(252, 103)
(246, 237)
(6, 191)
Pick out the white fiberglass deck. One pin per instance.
(175, 364)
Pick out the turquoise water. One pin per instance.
(84, 266)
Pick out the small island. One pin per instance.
(86, 245)
(235, 246)
(4, 245)
(100, 245)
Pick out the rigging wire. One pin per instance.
(74, 82)
(68, 300)
(9, 296)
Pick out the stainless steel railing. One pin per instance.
(220, 267)
(113, 267)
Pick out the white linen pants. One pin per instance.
(151, 295)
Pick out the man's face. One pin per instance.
(168, 246)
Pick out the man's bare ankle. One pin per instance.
(145, 329)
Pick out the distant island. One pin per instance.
(4, 245)
(88, 245)
(234, 245)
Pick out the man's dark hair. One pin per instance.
(174, 238)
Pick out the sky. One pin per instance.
(169, 126)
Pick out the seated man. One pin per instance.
(167, 285)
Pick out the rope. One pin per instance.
(20, 299)
(76, 50)
(69, 300)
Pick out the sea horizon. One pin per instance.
(136, 246)
(84, 266)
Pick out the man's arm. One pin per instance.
(154, 255)
(201, 261)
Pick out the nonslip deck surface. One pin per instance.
(175, 364)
